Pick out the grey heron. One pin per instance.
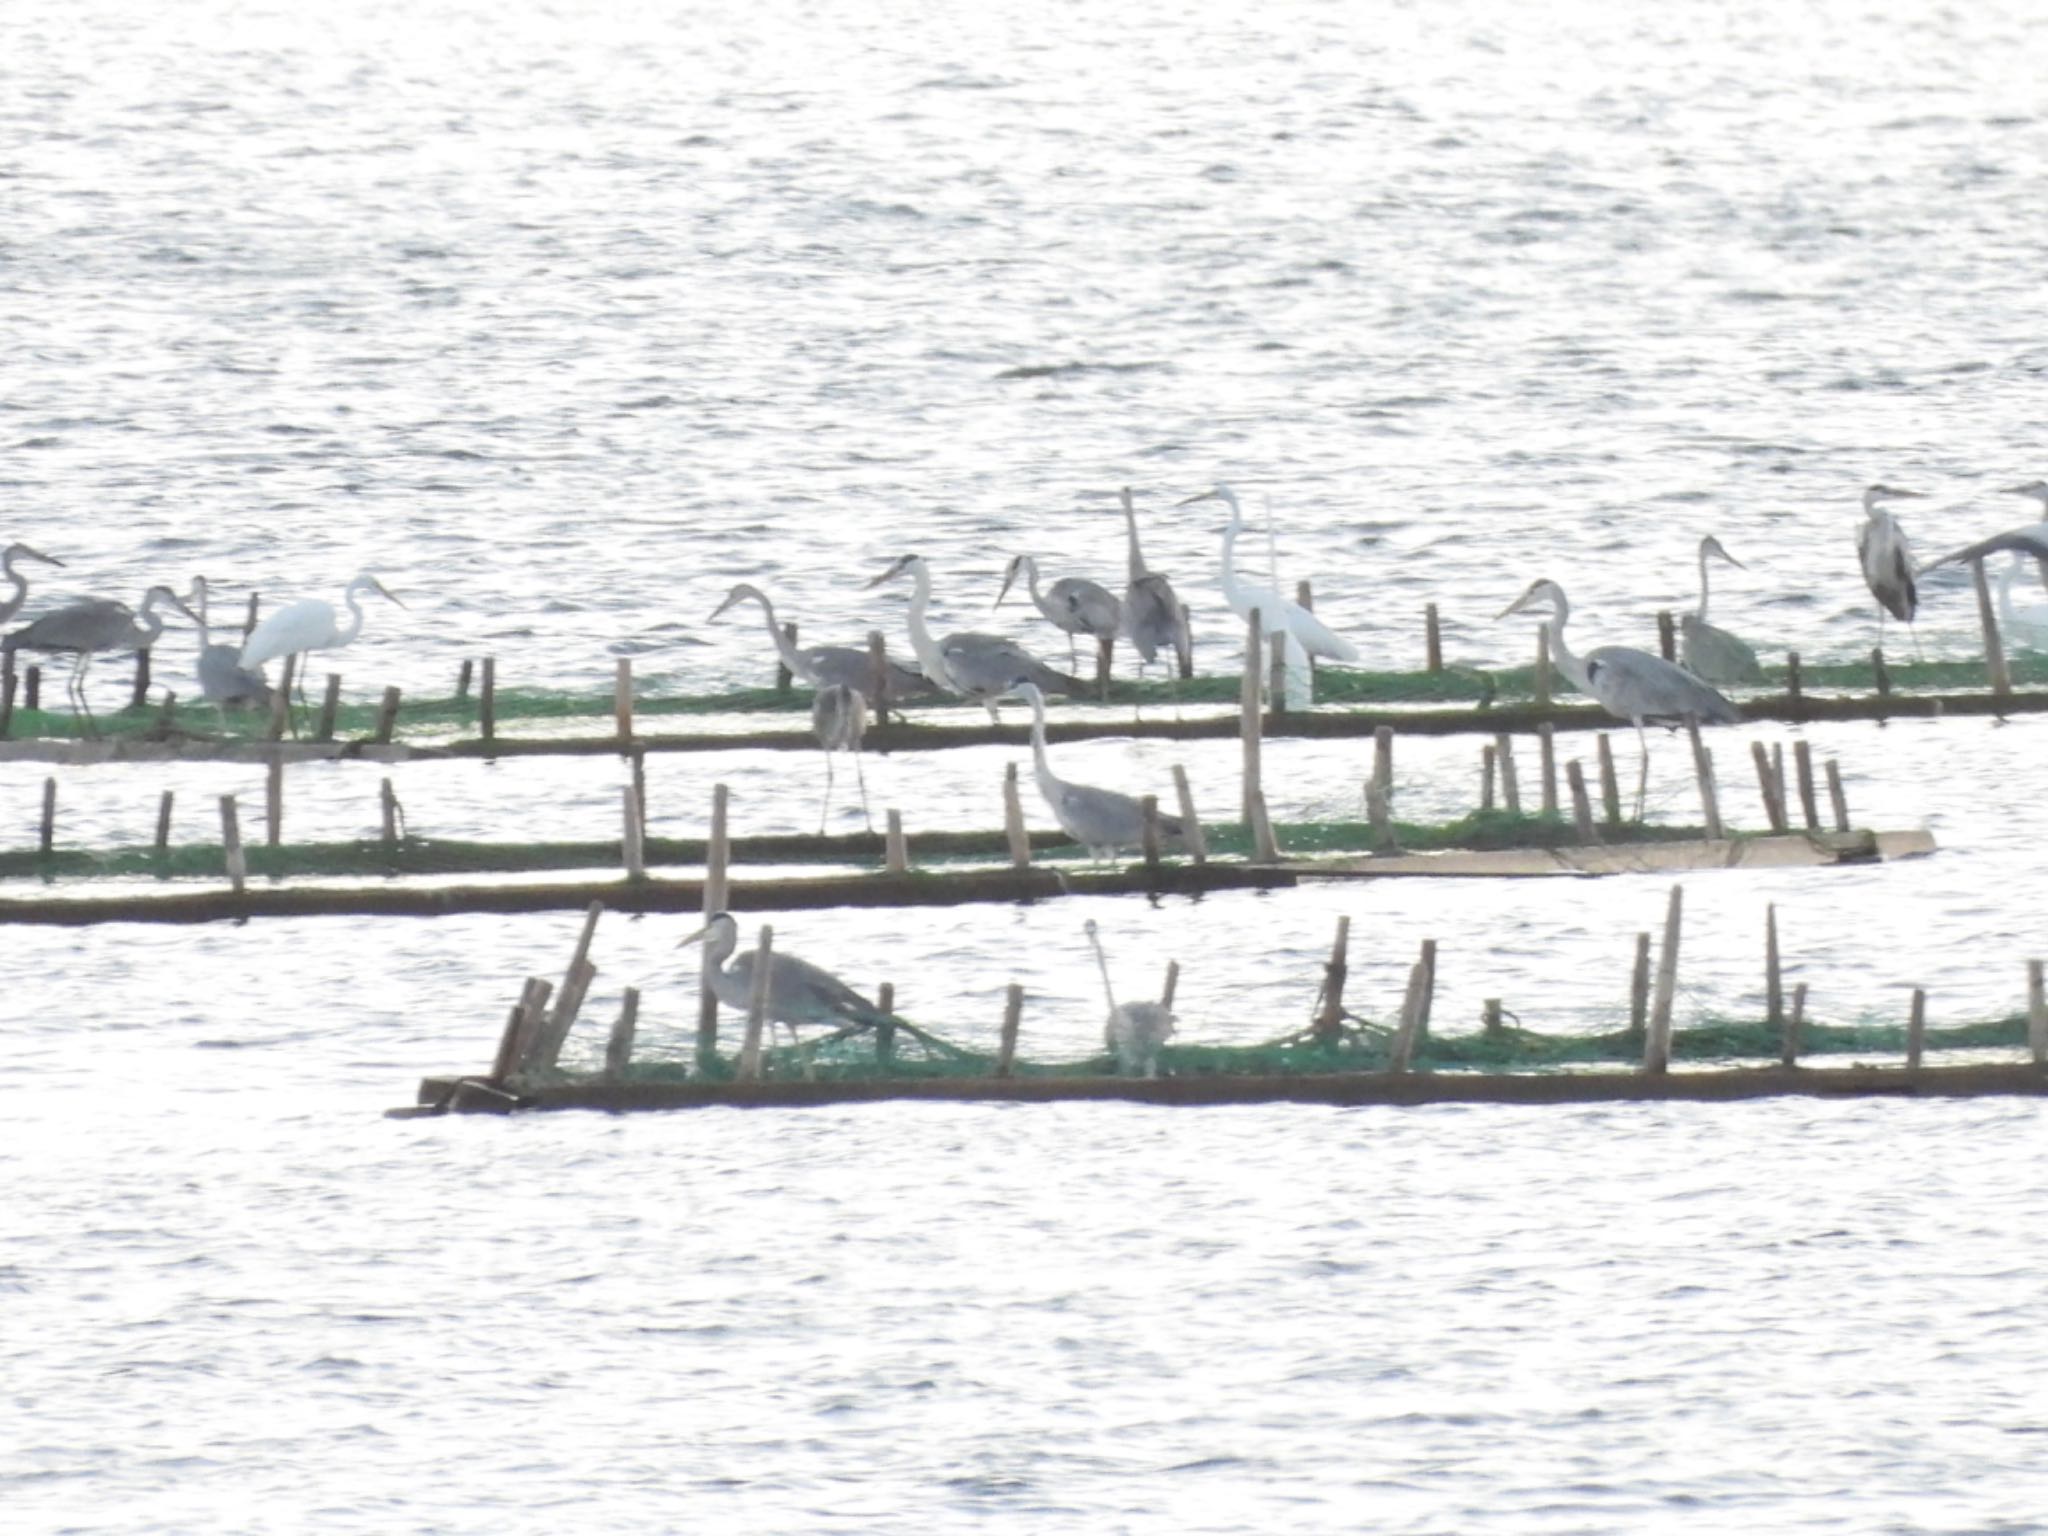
(2028, 539)
(798, 992)
(14, 552)
(1306, 634)
(90, 626)
(1887, 558)
(823, 666)
(1136, 1032)
(1708, 651)
(223, 680)
(1073, 604)
(1151, 612)
(310, 624)
(973, 666)
(1630, 684)
(1100, 820)
(839, 719)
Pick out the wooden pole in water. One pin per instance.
(1248, 711)
(163, 822)
(462, 678)
(1795, 693)
(1610, 786)
(1916, 1030)
(8, 683)
(1380, 819)
(784, 679)
(1802, 758)
(1504, 759)
(1383, 758)
(1703, 771)
(1428, 988)
(1171, 986)
(1639, 990)
(487, 701)
(1795, 1022)
(330, 703)
(231, 844)
(1265, 847)
(885, 1031)
(387, 716)
(1148, 832)
(1192, 840)
(1774, 976)
(639, 762)
(520, 1028)
(2037, 1015)
(1276, 686)
(878, 676)
(576, 979)
(1667, 635)
(1778, 778)
(1305, 595)
(32, 689)
(1657, 1040)
(1880, 674)
(1767, 786)
(1835, 795)
(1546, 742)
(1487, 765)
(281, 700)
(273, 800)
(1543, 679)
(1013, 820)
(622, 698)
(1994, 647)
(1582, 805)
(618, 1050)
(249, 622)
(387, 801)
(757, 1008)
(1105, 665)
(1432, 640)
(46, 839)
(1329, 1021)
(1401, 1053)
(1184, 644)
(1013, 1018)
(632, 844)
(139, 695)
(1490, 1018)
(896, 852)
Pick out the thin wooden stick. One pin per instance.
(519, 1028)
(1276, 686)
(1639, 990)
(1795, 1023)
(1487, 768)
(622, 698)
(1329, 1021)
(1582, 804)
(330, 703)
(1248, 711)
(487, 701)
(46, 838)
(896, 852)
(1703, 772)
(387, 716)
(1171, 985)
(878, 677)
(717, 853)
(1916, 1030)
(2037, 1015)
(8, 684)
(1401, 1053)
(1610, 786)
(1184, 644)
(1380, 819)
(1432, 640)
(1994, 647)
(1802, 758)
(632, 843)
(1196, 845)
(1383, 758)
(1546, 741)
(32, 689)
(1490, 1017)
(1543, 669)
(1880, 673)
(1504, 760)
(639, 761)
(273, 800)
(1148, 831)
(618, 1050)
(757, 1008)
(1839, 800)
(1013, 820)
(784, 679)
(1265, 847)
(1657, 1039)
(1767, 786)
(1667, 635)
(1774, 977)
(138, 696)
(1013, 1018)
(281, 701)
(463, 675)
(387, 801)
(885, 1031)
(163, 822)
(231, 844)
(1795, 692)
(576, 978)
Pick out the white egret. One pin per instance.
(1306, 634)
(310, 624)
(1708, 651)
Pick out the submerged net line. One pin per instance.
(1479, 831)
(1333, 685)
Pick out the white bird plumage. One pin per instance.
(1306, 634)
(310, 624)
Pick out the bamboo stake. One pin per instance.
(1582, 805)
(8, 684)
(1401, 1053)
(896, 860)
(1184, 644)
(632, 844)
(330, 702)
(139, 695)
(1265, 848)
(507, 1059)
(1383, 758)
(273, 800)
(1105, 663)
(32, 689)
(639, 761)
(1703, 771)
(878, 676)
(576, 981)
(46, 838)
(1432, 640)
(1837, 797)
(1172, 985)
(1774, 978)
(1657, 1040)
(1380, 819)
(1329, 1021)
(1487, 766)
(1778, 779)
(231, 844)
(1880, 672)
(1490, 1017)
(249, 623)
(1276, 686)
(462, 679)
(717, 853)
(757, 1009)
(1767, 786)
(622, 698)
(1667, 635)
(1504, 759)
(1428, 989)
(885, 1031)
(1610, 786)
(1543, 678)
(1248, 711)
(1546, 740)
(387, 800)
(281, 701)
(1013, 1018)
(1192, 840)
(1639, 990)
(1802, 758)
(1013, 820)
(387, 716)
(618, 1050)
(487, 701)
(1795, 1023)
(784, 679)
(1795, 694)
(1148, 832)
(1994, 647)
(2037, 1015)
(1916, 1030)
(163, 822)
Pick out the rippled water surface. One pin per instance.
(564, 318)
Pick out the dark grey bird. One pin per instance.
(823, 666)
(1136, 1032)
(1100, 820)
(1151, 611)
(223, 680)
(973, 666)
(1630, 684)
(12, 606)
(839, 719)
(89, 626)
(1887, 558)
(1710, 652)
(1074, 604)
(798, 992)
(2028, 539)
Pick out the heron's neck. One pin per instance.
(1102, 965)
(1703, 586)
(1041, 764)
(20, 583)
(1135, 558)
(353, 596)
(929, 656)
(1037, 597)
(1560, 653)
(783, 645)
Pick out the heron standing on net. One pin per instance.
(1100, 820)
(11, 606)
(223, 680)
(95, 624)
(2029, 539)
(1710, 652)
(823, 666)
(1887, 560)
(1073, 603)
(1136, 1032)
(839, 719)
(310, 624)
(1630, 684)
(1151, 611)
(1305, 634)
(798, 992)
(973, 666)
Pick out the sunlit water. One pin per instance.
(563, 319)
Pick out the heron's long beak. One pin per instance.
(388, 593)
(684, 943)
(36, 554)
(179, 604)
(1514, 607)
(895, 570)
(722, 607)
(1205, 496)
(1008, 577)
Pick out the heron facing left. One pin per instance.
(11, 606)
(798, 992)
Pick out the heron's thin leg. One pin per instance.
(1914, 630)
(1643, 775)
(862, 779)
(1073, 655)
(92, 725)
(825, 810)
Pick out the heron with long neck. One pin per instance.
(798, 992)
(1306, 635)
(1707, 650)
(1151, 611)
(823, 666)
(1887, 559)
(970, 665)
(1074, 605)
(9, 607)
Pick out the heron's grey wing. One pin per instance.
(1090, 608)
(223, 680)
(851, 668)
(1888, 566)
(807, 994)
(990, 664)
(2030, 540)
(1714, 654)
(1151, 615)
(1638, 686)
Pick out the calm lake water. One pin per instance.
(562, 319)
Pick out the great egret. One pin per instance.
(823, 666)
(1136, 1032)
(974, 666)
(1887, 558)
(1100, 820)
(2026, 626)
(1710, 652)
(310, 625)
(839, 719)
(1306, 634)
(223, 680)
(1073, 603)
(12, 605)
(1630, 684)
(798, 992)
(1151, 612)
(90, 626)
